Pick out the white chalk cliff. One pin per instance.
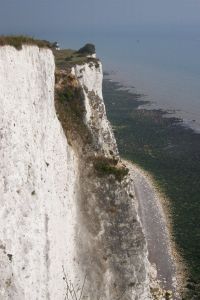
(90, 77)
(60, 224)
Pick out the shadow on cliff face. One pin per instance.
(113, 256)
(69, 104)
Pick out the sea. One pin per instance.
(160, 63)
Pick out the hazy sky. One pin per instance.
(36, 16)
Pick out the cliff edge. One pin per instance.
(69, 227)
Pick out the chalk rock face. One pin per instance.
(113, 248)
(38, 174)
(90, 76)
(60, 223)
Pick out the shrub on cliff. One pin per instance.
(109, 166)
(87, 49)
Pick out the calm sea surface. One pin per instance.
(164, 65)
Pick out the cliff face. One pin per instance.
(63, 224)
(38, 180)
(90, 77)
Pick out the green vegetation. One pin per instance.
(69, 99)
(67, 58)
(69, 103)
(18, 41)
(171, 153)
(109, 166)
(88, 49)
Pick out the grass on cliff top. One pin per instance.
(67, 58)
(19, 41)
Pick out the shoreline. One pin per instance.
(187, 122)
(164, 209)
(169, 152)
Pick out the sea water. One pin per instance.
(163, 64)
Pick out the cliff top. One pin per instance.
(19, 41)
(67, 58)
(64, 58)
